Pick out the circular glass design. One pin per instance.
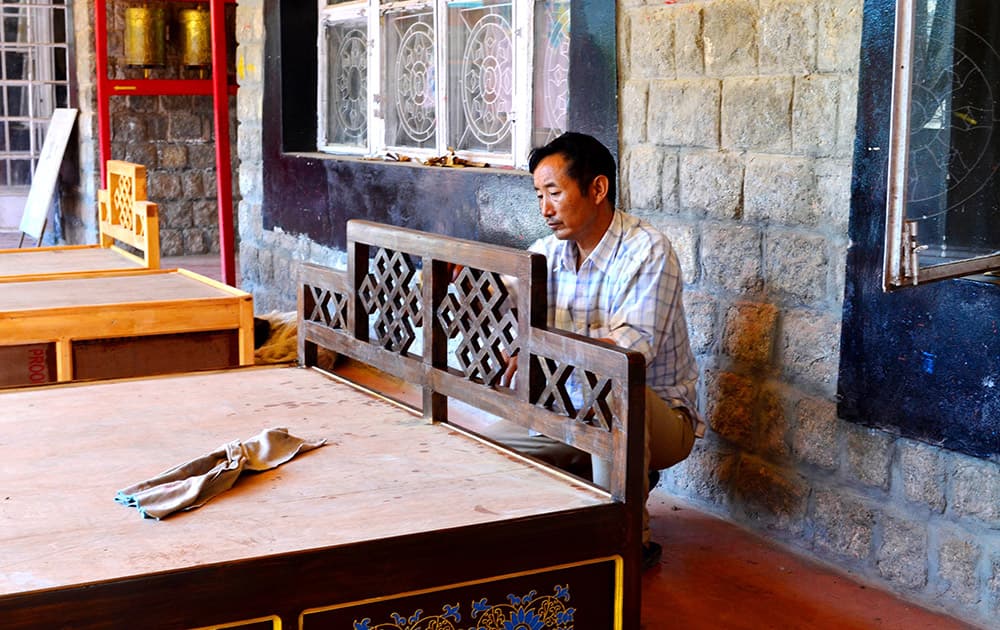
(351, 86)
(953, 103)
(556, 82)
(487, 72)
(415, 82)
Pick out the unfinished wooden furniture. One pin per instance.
(126, 220)
(401, 521)
(125, 324)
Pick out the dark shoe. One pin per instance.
(654, 478)
(651, 554)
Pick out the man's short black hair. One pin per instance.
(586, 156)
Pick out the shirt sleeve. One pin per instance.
(645, 301)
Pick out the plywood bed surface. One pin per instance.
(63, 260)
(64, 452)
(152, 286)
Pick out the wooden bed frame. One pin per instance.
(119, 325)
(125, 216)
(400, 522)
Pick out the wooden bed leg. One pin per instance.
(246, 331)
(435, 406)
(64, 360)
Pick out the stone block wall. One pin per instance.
(737, 139)
(737, 130)
(174, 138)
(268, 259)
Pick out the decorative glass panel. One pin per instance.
(481, 76)
(953, 120)
(944, 199)
(446, 75)
(411, 79)
(551, 70)
(347, 83)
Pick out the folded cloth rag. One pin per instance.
(193, 483)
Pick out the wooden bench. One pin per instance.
(401, 521)
(125, 220)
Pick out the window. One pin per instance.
(943, 207)
(485, 78)
(34, 81)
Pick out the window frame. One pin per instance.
(40, 86)
(901, 265)
(376, 146)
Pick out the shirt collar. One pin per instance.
(602, 255)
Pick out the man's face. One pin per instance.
(569, 212)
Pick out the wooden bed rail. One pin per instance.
(399, 309)
(126, 216)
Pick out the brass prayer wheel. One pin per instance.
(145, 36)
(196, 38)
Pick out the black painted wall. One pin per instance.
(315, 194)
(922, 361)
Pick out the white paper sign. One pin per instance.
(43, 182)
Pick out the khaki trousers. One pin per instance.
(669, 439)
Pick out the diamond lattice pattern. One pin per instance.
(123, 200)
(326, 307)
(586, 396)
(479, 313)
(389, 293)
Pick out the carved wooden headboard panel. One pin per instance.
(126, 216)
(401, 308)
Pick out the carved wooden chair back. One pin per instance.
(126, 216)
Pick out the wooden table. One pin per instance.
(115, 325)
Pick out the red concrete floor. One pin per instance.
(716, 575)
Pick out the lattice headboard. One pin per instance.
(398, 309)
(126, 216)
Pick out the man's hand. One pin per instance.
(507, 378)
(454, 270)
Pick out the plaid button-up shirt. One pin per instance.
(630, 290)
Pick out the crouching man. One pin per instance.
(613, 277)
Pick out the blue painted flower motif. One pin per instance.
(566, 616)
(523, 619)
(452, 612)
(364, 624)
(562, 592)
(480, 606)
(521, 601)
